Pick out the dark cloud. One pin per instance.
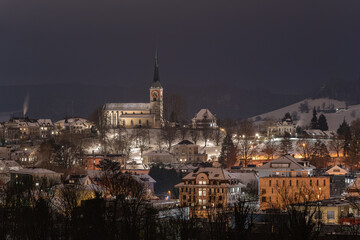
(280, 45)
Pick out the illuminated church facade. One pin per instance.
(131, 115)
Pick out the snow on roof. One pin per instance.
(144, 178)
(286, 162)
(246, 177)
(35, 171)
(204, 114)
(158, 153)
(127, 106)
(212, 173)
(337, 170)
(185, 142)
(45, 122)
(73, 121)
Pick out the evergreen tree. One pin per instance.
(322, 123)
(228, 152)
(286, 144)
(314, 120)
(344, 133)
(287, 117)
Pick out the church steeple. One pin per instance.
(156, 82)
(156, 69)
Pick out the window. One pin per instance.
(263, 199)
(202, 191)
(263, 191)
(297, 182)
(269, 183)
(324, 182)
(139, 121)
(132, 122)
(290, 183)
(317, 182)
(184, 197)
(330, 215)
(310, 182)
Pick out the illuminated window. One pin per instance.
(202, 192)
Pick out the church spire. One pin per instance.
(156, 70)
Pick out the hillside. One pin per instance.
(334, 110)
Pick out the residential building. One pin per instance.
(283, 165)
(208, 188)
(34, 176)
(280, 128)
(188, 152)
(74, 125)
(340, 178)
(158, 157)
(288, 180)
(204, 119)
(46, 128)
(277, 192)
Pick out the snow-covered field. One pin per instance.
(333, 119)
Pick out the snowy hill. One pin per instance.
(335, 111)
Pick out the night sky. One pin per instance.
(278, 45)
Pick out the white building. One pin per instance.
(204, 119)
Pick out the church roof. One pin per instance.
(127, 106)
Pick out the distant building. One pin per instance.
(148, 183)
(207, 188)
(34, 176)
(204, 119)
(285, 165)
(287, 180)
(46, 128)
(276, 192)
(339, 179)
(188, 152)
(316, 133)
(92, 161)
(280, 128)
(130, 115)
(335, 211)
(74, 125)
(158, 157)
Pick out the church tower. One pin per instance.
(156, 96)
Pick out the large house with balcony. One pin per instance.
(209, 188)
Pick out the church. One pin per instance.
(131, 115)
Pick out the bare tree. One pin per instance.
(184, 132)
(305, 147)
(141, 138)
(336, 144)
(217, 134)
(169, 135)
(270, 149)
(195, 134)
(206, 135)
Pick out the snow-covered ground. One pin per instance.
(333, 119)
